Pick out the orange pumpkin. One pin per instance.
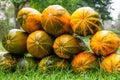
(111, 63)
(39, 44)
(83, 61)
(66, 46)
(29, 19)
(85, 21)
(104, 43)
(15, 41)
(56, 20)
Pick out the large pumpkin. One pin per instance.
(55, 20)
(15, 41)
(7, 62)
(29, 19)
(104, 43)
(52, 62)
(85, 21)
(111, 63)
(66, 46)
(39, 44)
(83, 61)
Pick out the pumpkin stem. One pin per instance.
(8, 41)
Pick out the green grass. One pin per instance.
(68, 74)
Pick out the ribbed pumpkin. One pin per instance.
(52, 62)
(111, 63)
(7, 62)
(104, 42)
(56, 20)
(65, 46)
(15, 41)
(29, 19)
(85, 21)
(83, 61)
(39, 44)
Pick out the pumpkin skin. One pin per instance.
(83, 61)
(15, 41)
(27, 63)
(111, 63)
(104, 43)
(29, 19)
(52, 62)
(39, 44)
(65, 46)
(85, 21)
(56, 20)
(8, 62)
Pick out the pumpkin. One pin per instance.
(52, 62)
(85, 21)
(39, 44)
(15, 41)
(111, 63)
(104, 42)
(84, 61)
(8, 62)
(29, 19)
(56, 20)
(27, 63)
(65, 46)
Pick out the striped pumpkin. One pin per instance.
(104, 43)
(55, 20)
(85, 21)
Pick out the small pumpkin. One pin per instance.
(111, 63)
(83, 61)
(85, 21)
(52, 62)
(8, 62)
(66, 45)
(27, 63)
(104, 42)
(56, 20)
(39, 44)
(15, 41)
(29, 19)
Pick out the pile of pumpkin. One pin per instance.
(55, 39)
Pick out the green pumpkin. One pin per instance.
(8, 62)
(15, 41)
(52, 62)
(27, 63)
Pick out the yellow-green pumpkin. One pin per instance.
(85, 21)
(15, 41)
(52, 62)
(66, 45)
(39, 44)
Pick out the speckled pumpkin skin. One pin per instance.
(56, 20)
(104, 43)
(39, 44)
(83, 61)
(52, 62)
(7, 62)
(85, 21)
(15, 41)
(29, 19)
(65, 46)
(111, 63)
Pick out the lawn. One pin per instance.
(68, 74)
